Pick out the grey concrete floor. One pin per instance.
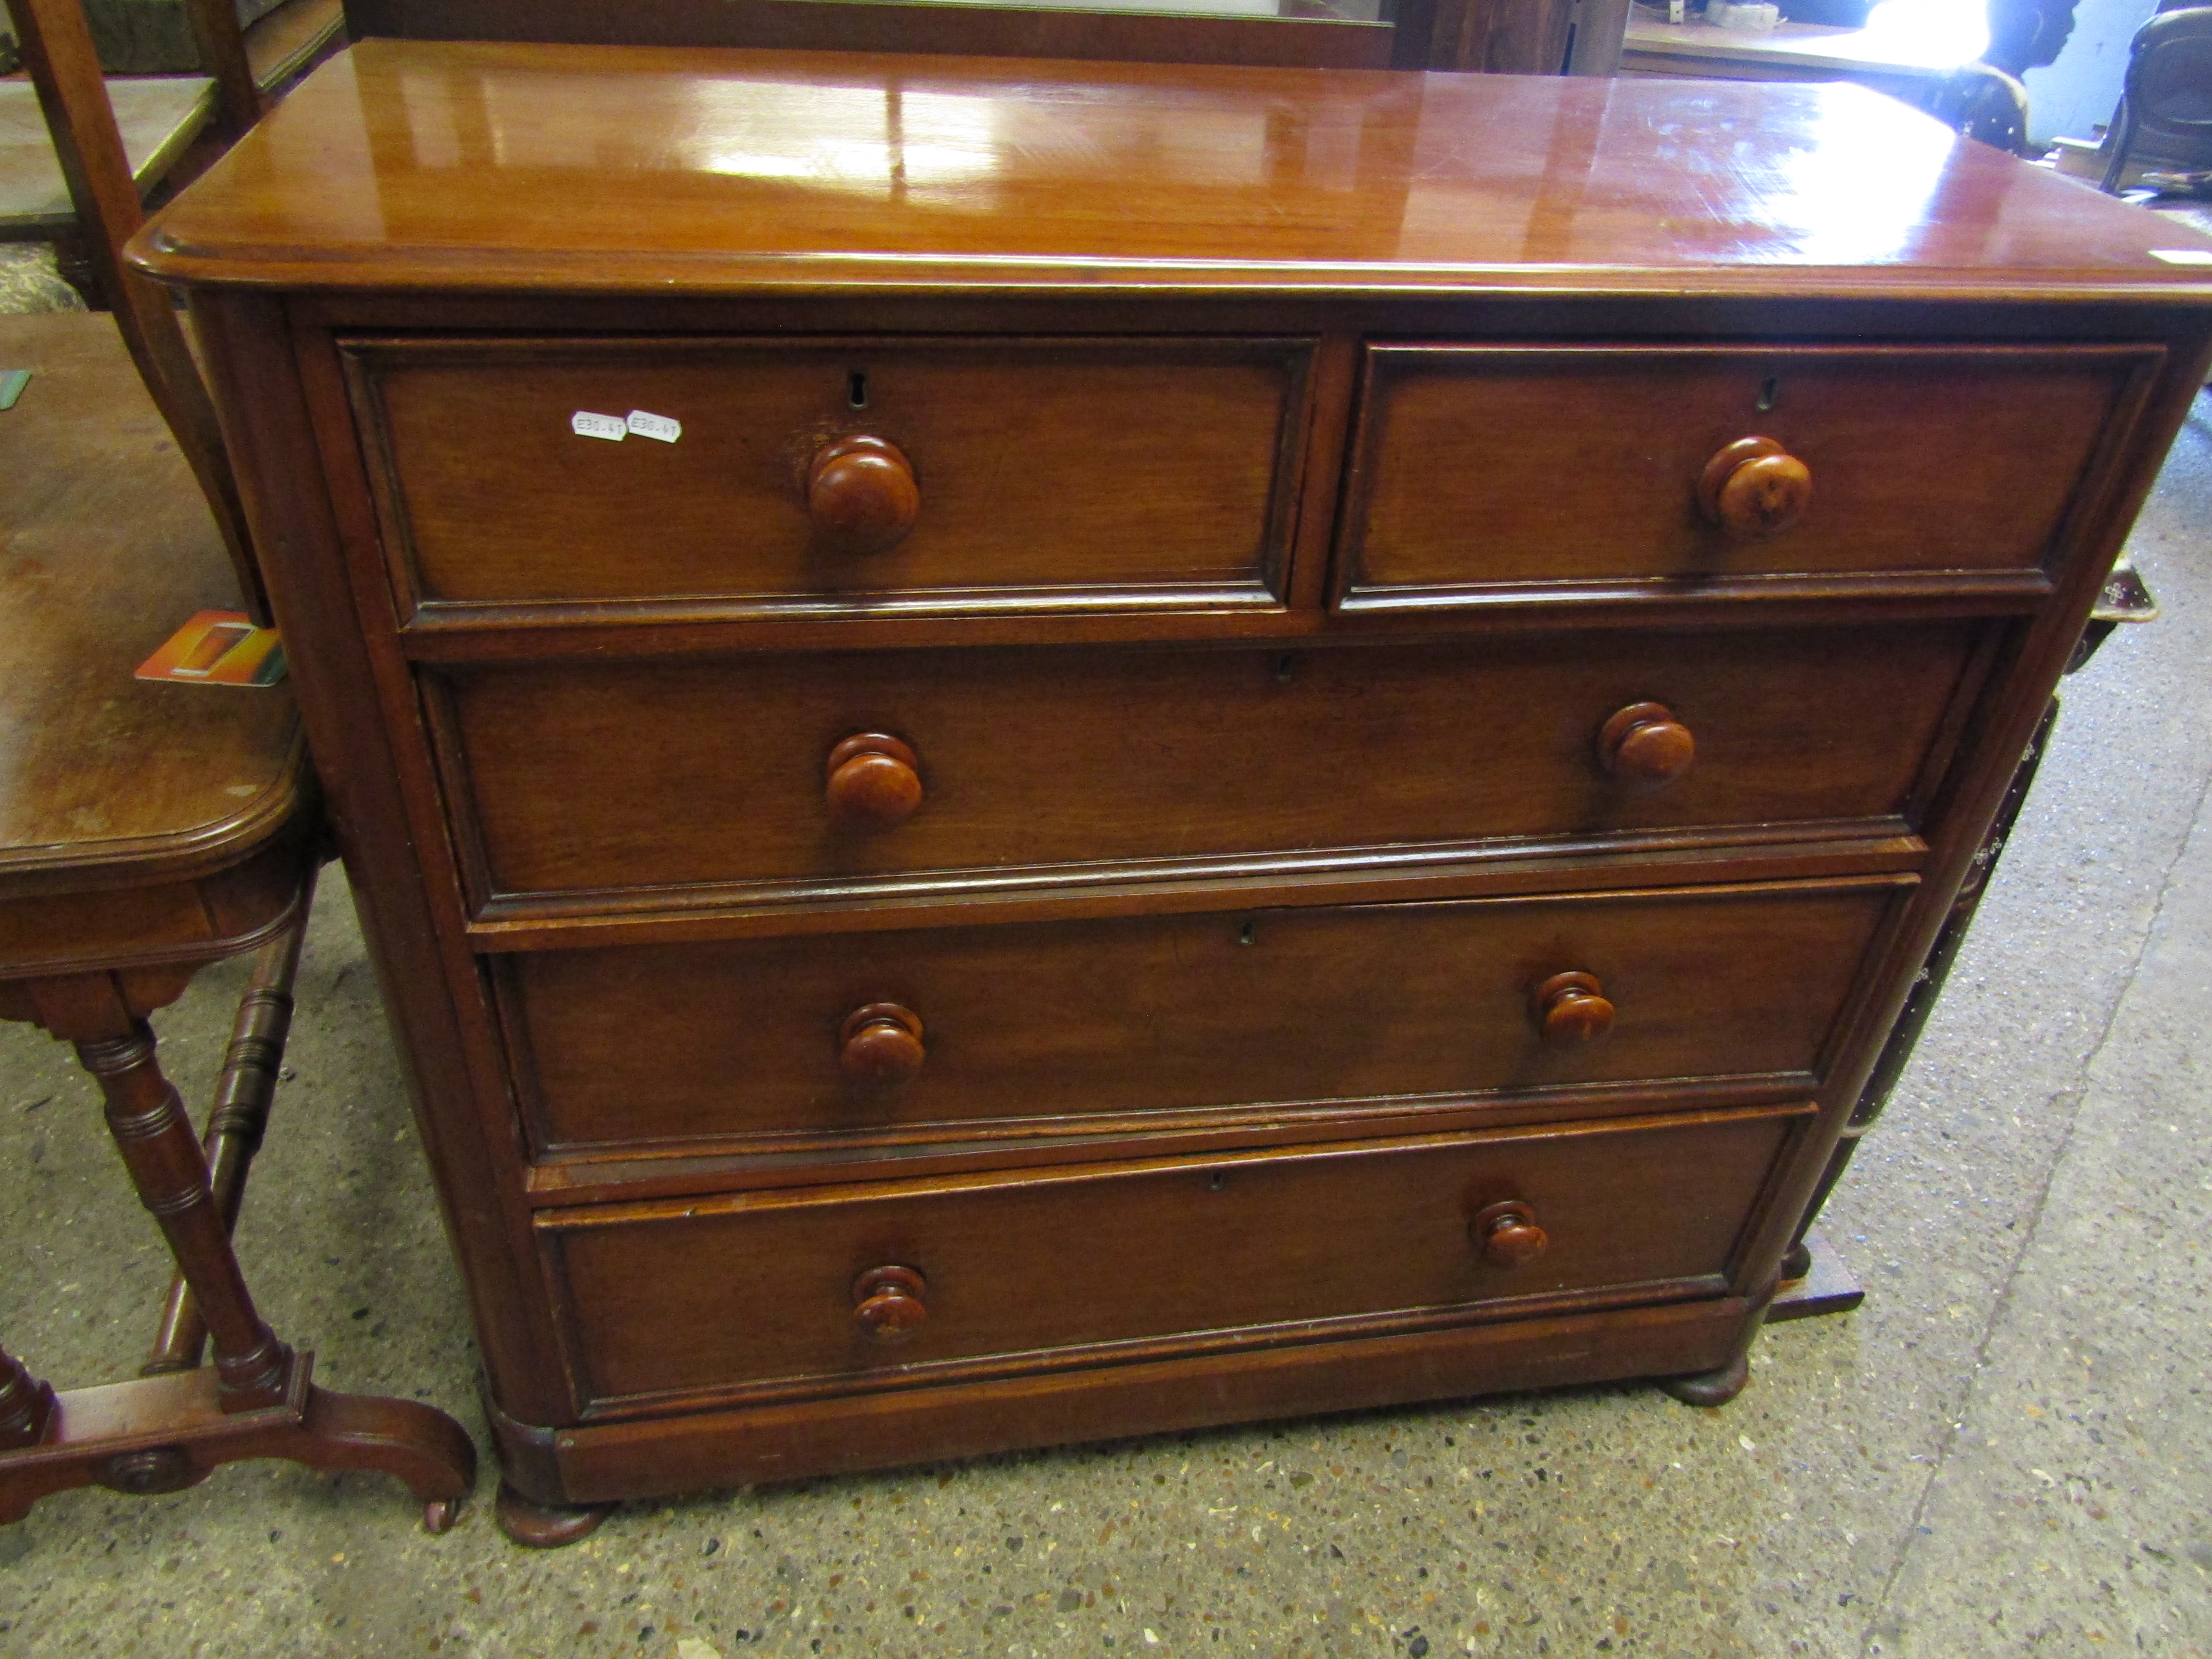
(29, 282)
(2009, 1450)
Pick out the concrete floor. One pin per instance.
(2009, 1450)
(28, 281)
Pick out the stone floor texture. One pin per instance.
(2006, 1451)
(29, 282)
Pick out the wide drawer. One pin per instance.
(1041, 1267)
(1043, 473)
(575, 777)
(1480, 472)
(936, 1035)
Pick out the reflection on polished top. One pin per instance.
(634, 169)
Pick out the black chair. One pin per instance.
(2168, 94)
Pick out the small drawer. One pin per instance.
(1492, 473)
(821, 1043)
(857, 1285)
(806, 776)
(837, 477)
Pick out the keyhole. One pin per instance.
(1769, 390)
(1215, 1182)
(1244, 935)
(1285, 665)
(856, 390)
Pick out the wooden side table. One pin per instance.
(147, 830)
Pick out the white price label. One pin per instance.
(2183, 256)
(585, 424)
(655, 426)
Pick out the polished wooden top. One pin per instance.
(592, 169)
(106, 548)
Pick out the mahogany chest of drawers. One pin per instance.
(1041, 750)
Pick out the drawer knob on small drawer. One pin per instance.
(1645, 745)
(888, 1303)
(1571, 1008)
(1508, 1235)
(1754, 488)
(861, 495)
(873, 781)
(880, 1045)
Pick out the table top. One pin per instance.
(106, 548)
(482, 167)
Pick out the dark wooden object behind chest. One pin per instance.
(1036, 751)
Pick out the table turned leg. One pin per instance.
(156, 1138)
(243, 1098)
(169, 1430)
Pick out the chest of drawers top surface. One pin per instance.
(636, 170)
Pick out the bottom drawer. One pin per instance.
(827, 1288)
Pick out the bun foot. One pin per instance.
(1711, 1387)
(537, 1525)
(439, 1517)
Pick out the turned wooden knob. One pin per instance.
(872, 781)
(1507, 1234)
(1644, 744)
(880, 1045)
(1753, 489)
(888, 1303)
(861, 495)
(1570, 1008)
